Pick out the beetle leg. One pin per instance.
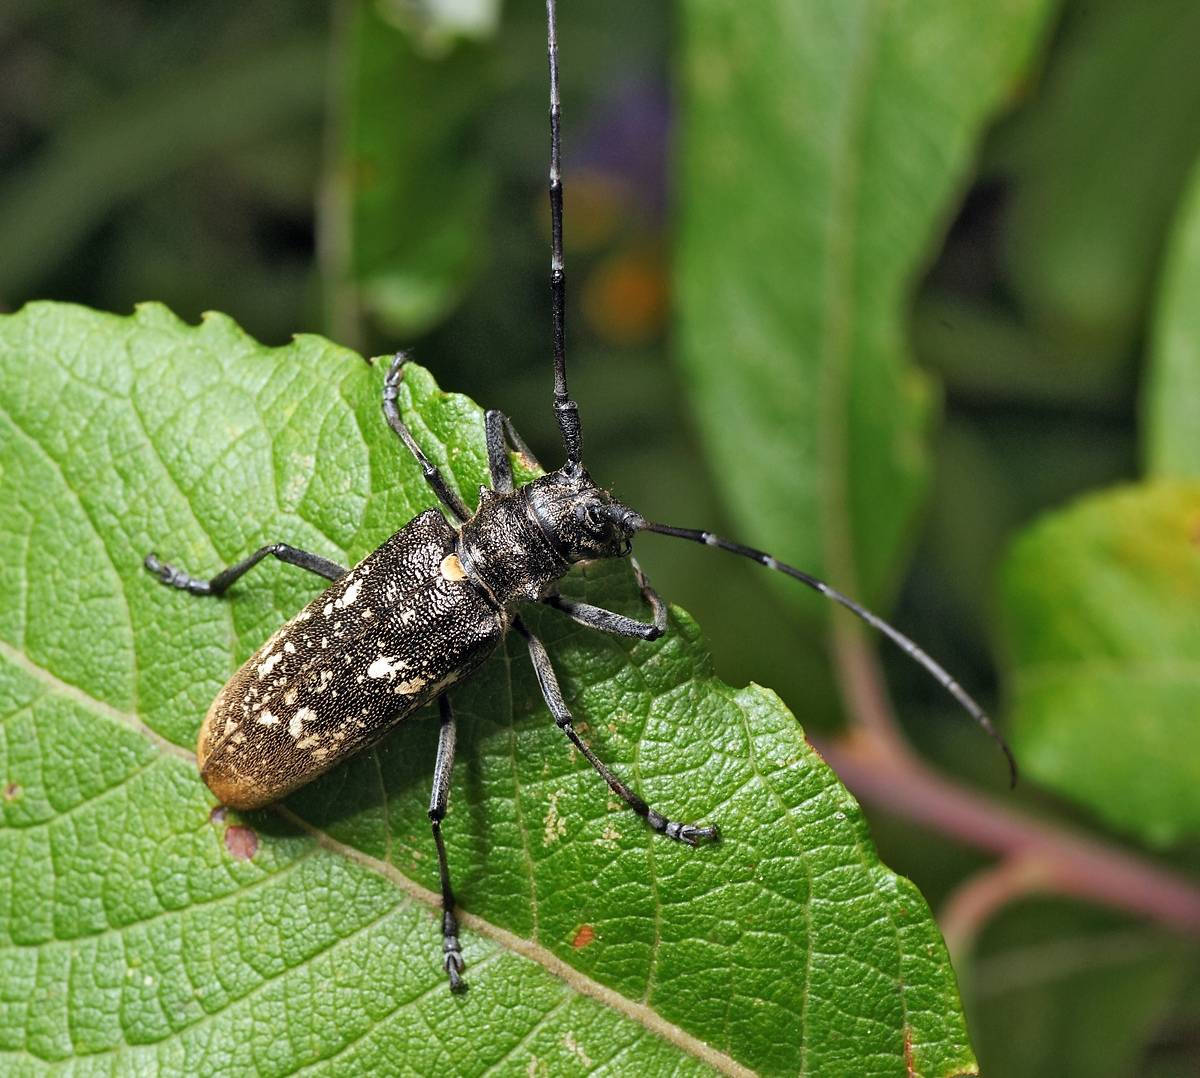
(435, 479)
(606, 621)
(688, 833)
(452, 956)
(219, 584)
(502, 438)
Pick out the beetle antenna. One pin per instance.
(909, 647)
(565, 409)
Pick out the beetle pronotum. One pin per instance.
(428, 606)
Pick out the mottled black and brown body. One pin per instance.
(416, 615)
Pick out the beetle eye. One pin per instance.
(592, 516)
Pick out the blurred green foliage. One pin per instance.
(238, 157)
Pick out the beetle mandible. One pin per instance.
(436, 599)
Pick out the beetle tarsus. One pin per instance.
(452, 959)
(175, 578)
(690, 834)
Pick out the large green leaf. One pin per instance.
(1095, 168)
(820, 147)
(1172, 404)
(405, 196)
(1100, 605)
(141, 929)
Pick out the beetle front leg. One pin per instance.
(689, 833)
(502, 438)
(608, 621)
(452, 959)
(433, 476)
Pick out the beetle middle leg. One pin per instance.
(452, 959)
(689, 833)
(433, 476)
(219, 584)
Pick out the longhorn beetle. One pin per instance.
(437, 598)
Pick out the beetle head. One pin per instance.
(580, 520)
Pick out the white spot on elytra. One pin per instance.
(289, 697)
(308, 742)
(296, 725)
(328, 609)
(407, 688)
(386, 666)
(267, 719)
(350, 595)
(230, 726)
(289, 647)
(268, 664)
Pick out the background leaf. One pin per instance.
(1172, 431)
(141, 929)
(1113, 140)
(1100, 624)
(820, 146)
(406, 194)
(1059, 974)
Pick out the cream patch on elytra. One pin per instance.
(296, 725)
(452, 568)
(386, 666)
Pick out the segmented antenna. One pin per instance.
(909, 647)
(565, 409)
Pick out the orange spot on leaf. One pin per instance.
(584, 936)
(12, 791)
(242, 842)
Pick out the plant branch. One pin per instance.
(879, 768)
(972, 904)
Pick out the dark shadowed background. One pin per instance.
(376, 174)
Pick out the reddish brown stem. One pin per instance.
(972, 904)
(880, 769)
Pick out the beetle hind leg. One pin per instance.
(452, 959)
(174, 577)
